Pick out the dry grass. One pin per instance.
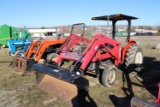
(19, 91)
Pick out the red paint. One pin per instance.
(158, 99)
(125, 49)
(92, 52)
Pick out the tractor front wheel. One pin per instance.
(19, 53)
(109, 75)
(134, 58)
(10, 54)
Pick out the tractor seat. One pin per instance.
(79, 48)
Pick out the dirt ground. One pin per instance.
(22, 91)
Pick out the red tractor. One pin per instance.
(100, 56)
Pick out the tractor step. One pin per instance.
(55, 72)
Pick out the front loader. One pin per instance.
(100, 56)
(37, 52)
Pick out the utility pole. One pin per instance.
(108, 26)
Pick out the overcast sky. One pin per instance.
(38, 13)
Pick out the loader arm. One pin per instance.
(31, 49)
(44, 45)
(38, 49)
(98, 42)
(89, 54)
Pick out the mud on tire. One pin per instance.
(134, 58)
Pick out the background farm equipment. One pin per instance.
(100, 56)
(18, 47)
(121, 33)
(12, 33)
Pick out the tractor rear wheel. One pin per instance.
(134, 58)
(109, 75)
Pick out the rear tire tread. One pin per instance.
(130, 57)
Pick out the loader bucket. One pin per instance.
(56, 87)
(64, 89)
(28, 70)
(23, 65)
(18, 64)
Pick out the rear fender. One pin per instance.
(125, 49)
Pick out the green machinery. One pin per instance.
(121, 33)
(8, 32)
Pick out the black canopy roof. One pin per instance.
(114, 17)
